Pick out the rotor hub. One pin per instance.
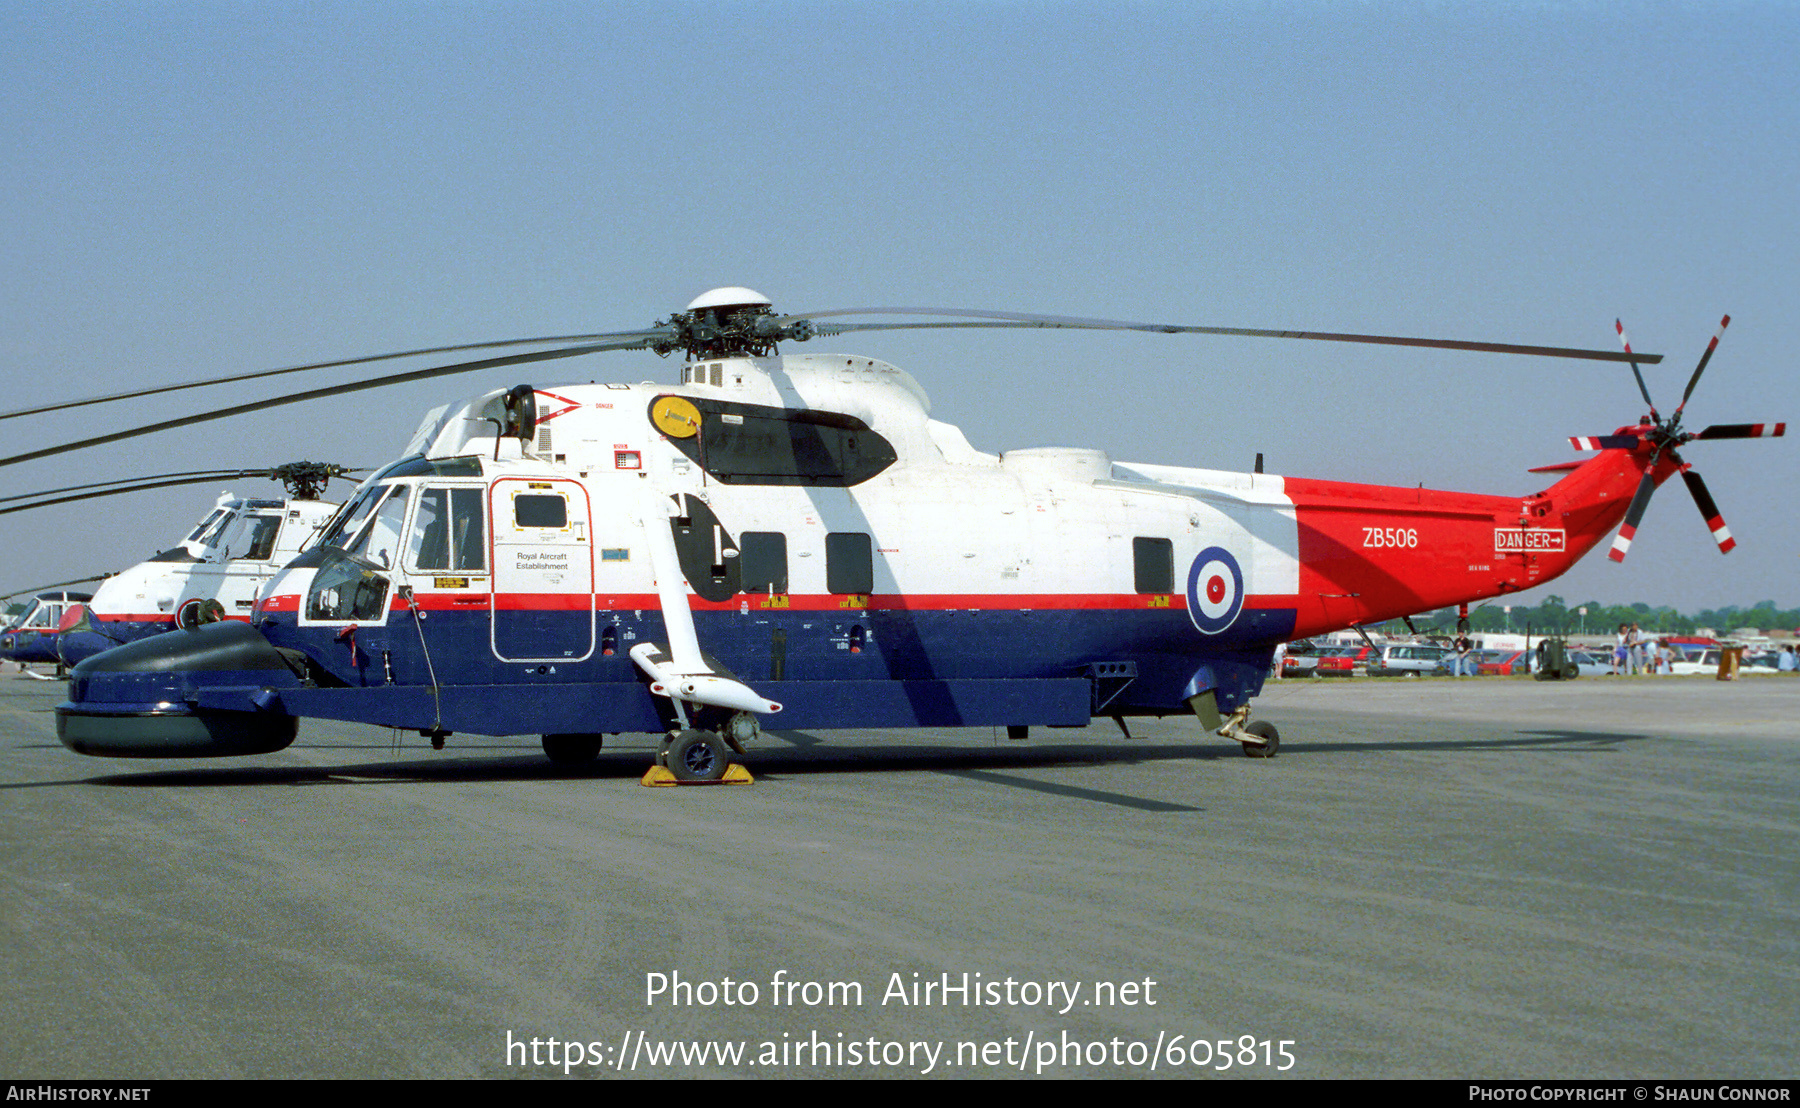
(729, 322)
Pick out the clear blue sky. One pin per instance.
(189, 189)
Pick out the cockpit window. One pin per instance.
(205, 523)
(380, 541)
(449, 532)
(351, 517)
(254, 538)
(211, 537)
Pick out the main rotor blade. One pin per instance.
(1628, 530)
(1076, 322)
(1709, 511)
(315, 394)
(1619, 326)
(1699, 369)
(646, 335)
(200, 474)
(57, 585)
(142, 486)
(1744, 431)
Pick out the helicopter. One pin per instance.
(213, 573)
(790, 541)
(33, 636)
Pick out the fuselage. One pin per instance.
(835, 541)
(216, 571)
(33, 636)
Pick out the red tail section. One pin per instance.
(1373, 552)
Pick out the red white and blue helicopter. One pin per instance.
(789, 540)
(215, 572)
(34, 635)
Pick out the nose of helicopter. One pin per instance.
(141, 700)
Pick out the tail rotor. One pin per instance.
(1663, 437)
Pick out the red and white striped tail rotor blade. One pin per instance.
(1628, 530)
(1709, 511)
(1604, 442)
(1701, 368)
(1743, 431)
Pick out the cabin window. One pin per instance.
(849, 563)
(762, 562)
(1153, 565)
(541, 510)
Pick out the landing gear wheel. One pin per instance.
(572, 750)
(1270, 739)
(698, 756)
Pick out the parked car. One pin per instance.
(1590, 665)
(1301, 659)
(1345, 661)
(1501, 663)
(1418, 659)
(1700, 661)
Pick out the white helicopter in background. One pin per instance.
(215, 572)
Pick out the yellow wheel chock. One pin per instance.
(660, 776)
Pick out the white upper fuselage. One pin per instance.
(227, 557)
(945, 518)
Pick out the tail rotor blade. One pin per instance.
(1709, 511)
(1701, 368)
(1628, 530)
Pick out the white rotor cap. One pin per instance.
(733, 297)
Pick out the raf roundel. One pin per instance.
(1215, 591)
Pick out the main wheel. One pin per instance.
(1265, 731)
(572, 750)
(698, 756)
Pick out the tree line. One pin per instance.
(1555, 616)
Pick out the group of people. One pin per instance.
(1635, 653)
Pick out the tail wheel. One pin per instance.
(698, 756)
(1268, 739)
(572, 750)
